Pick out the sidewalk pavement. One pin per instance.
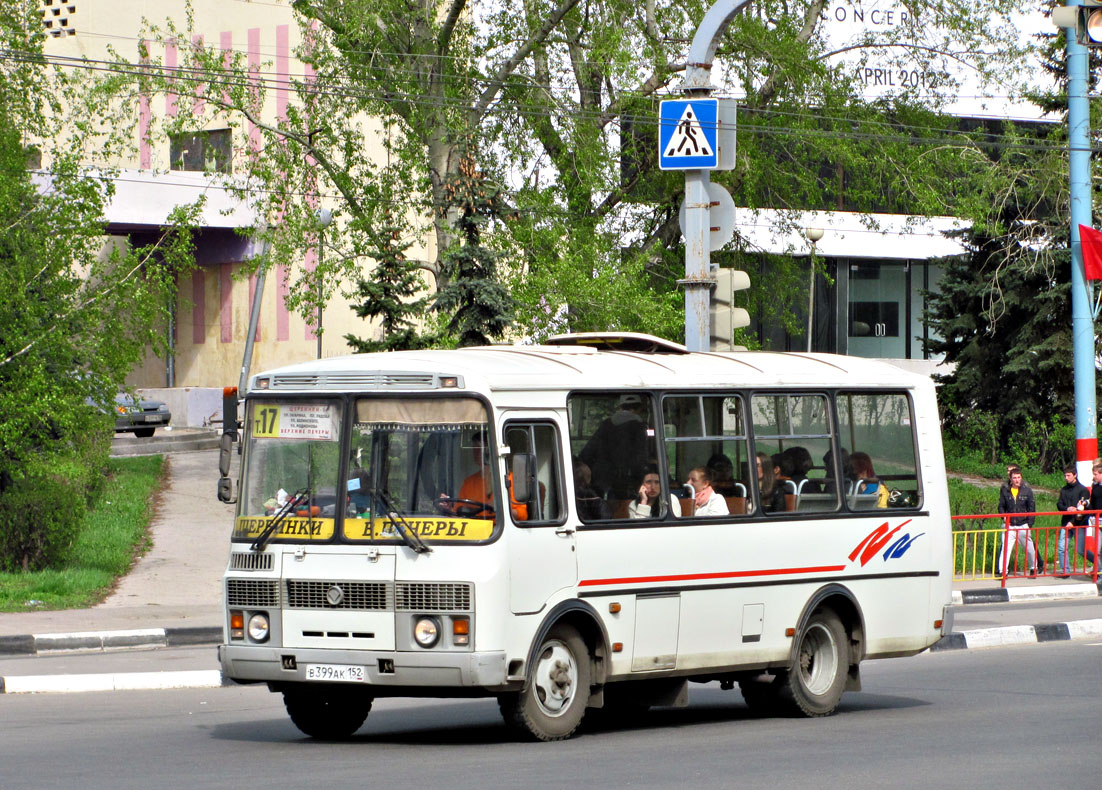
(173, 595)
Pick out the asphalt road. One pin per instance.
(1010, 717)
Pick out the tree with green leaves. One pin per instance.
(77, 315)
(561, 101)
(1002, 312)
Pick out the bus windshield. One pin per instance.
(427, 460)
(420, 465)
(292, 462)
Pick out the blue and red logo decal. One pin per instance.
(879, 538)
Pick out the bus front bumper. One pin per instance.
(431, 670)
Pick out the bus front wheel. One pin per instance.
(554, 699)
(326, 713)
(814, 684)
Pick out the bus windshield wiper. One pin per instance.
(263, 538)
(405, 531)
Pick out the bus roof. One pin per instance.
(566, 367)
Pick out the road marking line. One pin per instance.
(117, 681)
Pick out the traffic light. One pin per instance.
(724, 317)
(1085, 20)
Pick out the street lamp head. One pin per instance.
(813, 234)
(324, 217)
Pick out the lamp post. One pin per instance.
(813, 235)
(324, 217)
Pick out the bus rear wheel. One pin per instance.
(554, 699)
(327, 713)
(814, 684)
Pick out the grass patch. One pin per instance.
(960, 460)
(115, 530)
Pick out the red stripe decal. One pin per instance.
(701, 576)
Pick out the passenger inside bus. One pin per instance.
(770, 486)
(590, 506)
(706, 501)
(722, 472)
(359, 502)
(867, 484)
(616, 453)
(649, 501)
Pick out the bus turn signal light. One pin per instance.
(461, 631)
(237, 625)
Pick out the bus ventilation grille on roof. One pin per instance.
(374, 380)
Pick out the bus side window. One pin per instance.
(709, 432)
(540, 440)
(876, 428)
(792, 432)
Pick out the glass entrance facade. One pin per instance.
(873, 308)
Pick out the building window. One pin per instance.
(203, 152)
(57, 18)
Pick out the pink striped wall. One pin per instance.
(145, 117)
(170, 63)
(198, 306)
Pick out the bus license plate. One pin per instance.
(335, 673)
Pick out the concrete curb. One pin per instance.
(115, 681)
(1020, 635)
(104, 641)
(1007, 594)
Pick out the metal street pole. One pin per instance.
(254, 313)
(1082, 322)
(698, 281)
(813, 236)
(324, 217)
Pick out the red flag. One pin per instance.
(1090, 240)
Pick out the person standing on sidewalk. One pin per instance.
(1082, 540)
(1016, 496)
(1074, 498)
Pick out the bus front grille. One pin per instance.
(313, 594)
(433, 597)
(252, 593)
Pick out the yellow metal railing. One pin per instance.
(976, 549)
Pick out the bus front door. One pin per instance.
(542, 558)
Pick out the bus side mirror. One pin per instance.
(225, 450)
(225, 485)
(225, 491)
(523, 470)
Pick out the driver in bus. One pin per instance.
(478, 490)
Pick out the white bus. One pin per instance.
(474, 522)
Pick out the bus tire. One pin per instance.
(814, 683)
(327, 713)
(554, 699)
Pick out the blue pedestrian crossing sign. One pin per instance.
(688, 134)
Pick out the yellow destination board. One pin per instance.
(294, 528)
(435, 528)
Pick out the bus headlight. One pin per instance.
(426, 631)
(258, 627)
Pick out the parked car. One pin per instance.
(140, 417)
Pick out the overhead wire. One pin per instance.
(322, 86)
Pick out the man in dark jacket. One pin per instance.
(1016, 496)
(1074, 498)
